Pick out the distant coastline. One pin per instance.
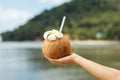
(75, 44)
(78, 42)
(95, 42)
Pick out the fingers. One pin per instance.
(54, 61)
(61, 61)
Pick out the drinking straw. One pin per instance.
(63, 21)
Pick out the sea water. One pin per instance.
(24, 61)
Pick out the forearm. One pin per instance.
(99, 71)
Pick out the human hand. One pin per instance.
(64, 60)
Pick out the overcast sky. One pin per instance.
(17, 12)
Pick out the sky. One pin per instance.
(14, 13)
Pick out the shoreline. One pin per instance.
(78, 42)
(95, 42)
(74, 44)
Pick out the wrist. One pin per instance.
(75, 57)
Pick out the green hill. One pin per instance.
(85, 18)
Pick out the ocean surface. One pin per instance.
(24, 61)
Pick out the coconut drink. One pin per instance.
(55, 45)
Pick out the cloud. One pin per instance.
(50, 3)
(53, 1)
(11, 18)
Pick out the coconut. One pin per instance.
(55, 45)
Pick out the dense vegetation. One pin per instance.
(86, 19)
